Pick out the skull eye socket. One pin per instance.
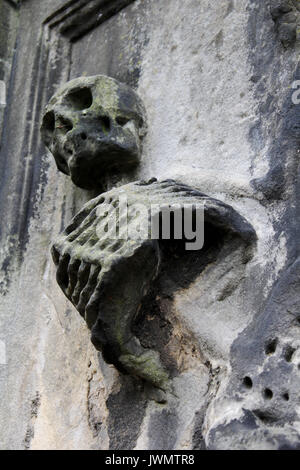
(61, 164)
(122, 121)
(48, 126)
(80, 99)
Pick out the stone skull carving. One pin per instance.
(94, 126)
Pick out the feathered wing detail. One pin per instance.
(106, 277)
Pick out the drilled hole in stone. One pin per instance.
(80, 99)
(247, 382)
(83, 136)
(286, 396)
(268, 394)
(271, 346)
(288, 354)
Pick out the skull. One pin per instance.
(94, 126)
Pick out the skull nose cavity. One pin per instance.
(105, 124)
(64, 125)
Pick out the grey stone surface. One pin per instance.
(9, 17)
(286, 17)
(216, 82)
(263, 394)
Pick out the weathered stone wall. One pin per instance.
(8, 34)
(216, 81)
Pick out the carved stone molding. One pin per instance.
(13, 3)
(87, 16)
